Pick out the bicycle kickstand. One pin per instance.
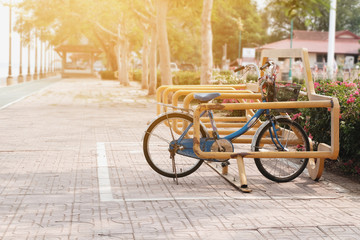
(243, 181)
(174, 168)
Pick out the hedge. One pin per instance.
(316, 122)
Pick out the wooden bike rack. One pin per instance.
(249, 97)
(316, 158)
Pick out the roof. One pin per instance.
(346, 42)
(77, 48)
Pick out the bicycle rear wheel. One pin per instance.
(293, 138)
(156, 145)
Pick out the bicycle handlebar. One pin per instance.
(239, 68)
(266, 65)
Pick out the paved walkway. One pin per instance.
(72, 167)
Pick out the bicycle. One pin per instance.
(168, 141)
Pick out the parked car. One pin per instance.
(174, 67)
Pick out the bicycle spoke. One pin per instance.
(171, 131)
(162, 157)
(289, 135)
(153, 134)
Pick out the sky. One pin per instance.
(4, 43)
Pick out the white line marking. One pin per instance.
(103, 174)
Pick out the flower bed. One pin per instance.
(316, 122)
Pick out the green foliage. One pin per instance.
(309, 15)
(186, 78)
(107, 75)
(226, 31)
(225, 77)
(317, 121)
(71, 21)
(137, 75)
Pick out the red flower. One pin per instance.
(350, 100)
(296, 116)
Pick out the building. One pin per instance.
(346, 46)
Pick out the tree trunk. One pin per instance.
(118, 58)
(206, 43)
(108, 47)
(164, 50)
(152, 62)
(145, 61)
(124, 64)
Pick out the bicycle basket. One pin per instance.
(287, 91)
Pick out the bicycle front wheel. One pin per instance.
(293, 138)
(156, 145)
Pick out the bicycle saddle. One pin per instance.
(205, 97)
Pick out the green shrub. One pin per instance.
(317, 121)
(225, 77)
(186, 78)
(107, 75)
(137, 75)
(298, 80)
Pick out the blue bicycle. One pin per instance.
(168, 141)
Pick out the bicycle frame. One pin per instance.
(206, 143)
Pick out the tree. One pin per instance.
(225, 27)
(146, 17)
(347, 17)
(94, 20)
(305, 14)
(206, 43)
(163, 42)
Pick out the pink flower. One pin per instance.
(310, 136)
(350, 84)
(296, 116)
(356, 93)
(350, 100)
(316, 84)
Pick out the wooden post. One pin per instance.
(92, 63)
(63, 63)
(243, 181)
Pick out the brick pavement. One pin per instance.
(71, 167)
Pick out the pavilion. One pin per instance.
(77, 60)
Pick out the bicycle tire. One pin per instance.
(156, 146)
(282, 169)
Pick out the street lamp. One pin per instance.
(28, 76)
(291, 40)
(9, 79)
(45, 63)
(292, 14)
(331, 40)
(20, 77)
(41, 52)
(36, 76)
